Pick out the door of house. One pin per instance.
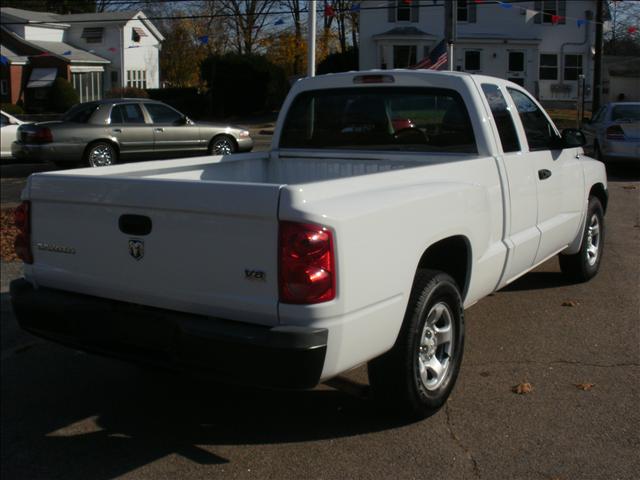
(516, 68)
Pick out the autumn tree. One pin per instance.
(246, 20)
(182, 53)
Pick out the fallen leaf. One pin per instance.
(630, 187)
(522, 388)
(570, 303)
(8, 232)
(585, 386)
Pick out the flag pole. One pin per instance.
(450, 16)
(311, 43)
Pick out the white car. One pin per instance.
(389, 202)
(8, 133)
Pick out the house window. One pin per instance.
(114, 77)
(92, 34)
(88, 85)
(137, 78)
(572, 66)
(548, 66)
(4, 87)
(137, 33)
(404, 56)
(516, 61)
(463, 11)
(472, 60)
(403, 11)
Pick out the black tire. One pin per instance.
(395, 377)
(584, 265)
(100, 154)
(223, 145)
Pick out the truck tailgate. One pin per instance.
(211, 250)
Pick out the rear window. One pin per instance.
(80, 113)
(127, 113)
(625, 113)
(388, 119)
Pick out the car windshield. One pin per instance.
(80, 113)
(626, 113)
(380, 118)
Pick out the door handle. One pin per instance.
(544, 174)
(158, 129)
(117, 130)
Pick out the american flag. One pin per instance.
(437, 59)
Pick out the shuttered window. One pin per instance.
(92, 34)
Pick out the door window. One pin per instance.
(502, 117)
(163, 114)
(472, 61)
(516, 61)
(539, 132)
(127, 113)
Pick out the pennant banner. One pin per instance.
(529, 14)
(505, 5)
(203, 39)
(632, 30)
(68, 52)
(580, 22)
(4, 60)
(279, 22)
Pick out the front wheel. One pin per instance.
(417, 375)
(101, 154)
(584, 265)
(222, 145)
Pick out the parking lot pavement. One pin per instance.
(75, 416)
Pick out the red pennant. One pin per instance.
(328, 11)
(113, 49)
(406, 2)
(632, 30)
(478, 1)
(555, 19)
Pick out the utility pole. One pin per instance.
(597, 64)
(311, 44)
(450, 17)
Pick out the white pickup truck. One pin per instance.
(389, 202)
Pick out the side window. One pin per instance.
(540, 133)
(599, 116)
(502, 117)
(3, 121)
(162, 113)
(127, 113)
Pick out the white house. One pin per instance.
(94, 51)
(542, 45)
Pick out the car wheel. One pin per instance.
(222, 145)
(584, 265)
(417, 375)
(101, 154)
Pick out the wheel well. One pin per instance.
(450, 255)
(600, 193)
(101, 140)
(223, 135)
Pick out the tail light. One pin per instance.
(615, 132)
(41, 135)
(307, 266)
(22, 245)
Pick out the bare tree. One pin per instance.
(246, 20)
(295, 7)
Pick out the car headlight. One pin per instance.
(243, 133)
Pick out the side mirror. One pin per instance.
(184, 120)
(573, 137)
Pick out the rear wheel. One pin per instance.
(418, 374)
(584, 265)
(222, 145)
(101, 154)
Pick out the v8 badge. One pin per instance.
(136, 248)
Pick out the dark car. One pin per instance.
(111, 130)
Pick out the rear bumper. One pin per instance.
(47, 152)
(282, 357)
(621, 151)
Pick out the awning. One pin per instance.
(42, 77)
(140, 31)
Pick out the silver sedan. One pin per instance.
(114, 130)
(613, 134)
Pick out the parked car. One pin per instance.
(8, 133)
(613, 134)
(350, 242)
(113, 130)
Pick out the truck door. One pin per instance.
(558, 178)
(522, 235)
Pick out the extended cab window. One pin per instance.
(502, 117)
(127, 113)
(380, 118)
(539, 132)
